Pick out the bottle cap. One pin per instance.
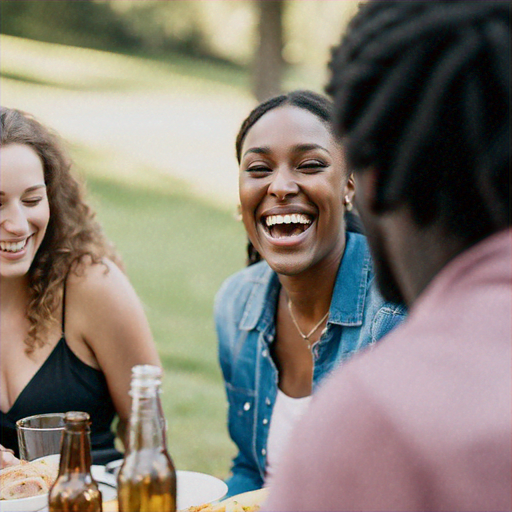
(145, 378)
(146, 370)
(76, 419)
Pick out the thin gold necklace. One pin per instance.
(306, 337)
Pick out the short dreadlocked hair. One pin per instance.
(422, 94)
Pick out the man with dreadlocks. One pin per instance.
(422, 422)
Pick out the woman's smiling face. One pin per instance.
(24, 209)
(292, 183)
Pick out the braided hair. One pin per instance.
(313, 102)
(422, 94)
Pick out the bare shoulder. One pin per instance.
(98, 281)
(107, 327)
(101, 292)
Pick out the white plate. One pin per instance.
(40, 503)
(31, 504)
(106, 482)
(197, 488)
(25, 504)
(193, 488)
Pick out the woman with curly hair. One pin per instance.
(72, 325)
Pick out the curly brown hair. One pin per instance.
(73, 235)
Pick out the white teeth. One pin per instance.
(13, 246)
(294, 218)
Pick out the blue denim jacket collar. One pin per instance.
(347, 307)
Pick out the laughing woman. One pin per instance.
(286, 322)
(72, 326)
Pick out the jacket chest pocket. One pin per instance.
(241, 416)
(386, 320)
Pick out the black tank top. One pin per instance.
(65, 383)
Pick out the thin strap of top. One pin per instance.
(64, 305)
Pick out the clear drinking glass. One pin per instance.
(40, 435)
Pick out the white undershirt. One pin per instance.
(287, 411)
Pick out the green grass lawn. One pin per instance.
(177, 251)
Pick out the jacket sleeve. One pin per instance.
(244, 475)
(225, 326)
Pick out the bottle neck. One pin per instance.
(75, 452)
(146, 429)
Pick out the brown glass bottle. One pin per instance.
(147, 479)
(75, 489)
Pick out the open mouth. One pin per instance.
(289, 225)
(13, 247)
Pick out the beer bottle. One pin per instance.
(147, 479)
(75, 489)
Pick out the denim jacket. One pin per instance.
(245, 309)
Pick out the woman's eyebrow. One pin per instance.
(309, 147)
(29, 189)
(258, 150)
(35, 187)
(299, 147)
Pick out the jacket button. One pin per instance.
(267, 401)
(247, 406)
(271, 338)
(263, 452)
(264, 352)
(265, 421)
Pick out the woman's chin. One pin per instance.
(288, 264)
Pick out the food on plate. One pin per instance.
(246, 502)
(28, 479)
(110, 506)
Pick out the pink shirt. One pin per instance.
(424, 421)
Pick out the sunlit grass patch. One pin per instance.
(177, 250)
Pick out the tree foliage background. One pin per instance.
(266, 36)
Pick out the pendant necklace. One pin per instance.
(306, 337)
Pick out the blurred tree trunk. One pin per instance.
(268, 65)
